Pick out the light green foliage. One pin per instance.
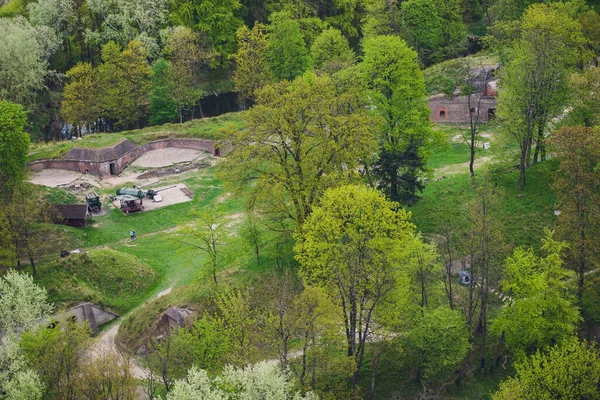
(14, 146)
(569, 371)
(59, 15)
(24, 53)
(23, 304)
(543, 311)
(216, 19)
(188, 53)
(438, 343)
(288, 56)
(56, 353)
(422, 268)
(262, 381)
(301, 138)
(17, 380)
(122, 21)
(124, 82)
(252, 70)
(331, 51)
(81, 103)
(534, 82)
(381, 17)
(397, 93)
(162, 107)
(351, 245)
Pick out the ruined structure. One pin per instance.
(456, 108)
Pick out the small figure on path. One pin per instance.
(132, 234)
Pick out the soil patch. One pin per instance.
(166, 157)
(173, 170)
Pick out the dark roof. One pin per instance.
(73, 211)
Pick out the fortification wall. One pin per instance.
(112, 160)
(456, 109)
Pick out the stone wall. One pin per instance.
(444, 109)
(112, 160)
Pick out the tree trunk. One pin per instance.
(522, 161)
(32, 263)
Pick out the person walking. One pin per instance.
(132, 235)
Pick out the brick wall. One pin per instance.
(444, 109)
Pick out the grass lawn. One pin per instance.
(206, 128)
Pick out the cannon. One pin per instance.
(139, 193)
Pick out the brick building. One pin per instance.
(456, 109)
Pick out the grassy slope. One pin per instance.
(12, 8)
(105, 277)
(446, 76)
(199, 128)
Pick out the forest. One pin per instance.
(393, 199)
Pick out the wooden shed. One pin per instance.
(76, 215)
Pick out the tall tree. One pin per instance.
(577, 187)
(252, 70)
(351, 245)
(534, 82)
(23, 304)
(188, 53)
(81, 103)
(162, 106)
(124, 83)
(207, 235)
(300, 138)
(542, 311)
(288, 56)
(14, 147)
(397, 94)
(331, 51)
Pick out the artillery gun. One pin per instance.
(93, 201)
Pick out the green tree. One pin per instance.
(81, 104)
(288, 56)
(542, 311)
(162, 107)
(577, 188)
(17, 380)
(57, 353)
(397, 93)
(14, 147)
(534, 82)
(124, 83)
(24, 60)
(215, 19)
(300, 138)
(437, 344)
(570, 371)
(207, 234)
(23, 304)
(351, 245)
(252, 70)
(188, 54)
(331, 51)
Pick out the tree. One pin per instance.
(215, 19)
(397, 94)
(124, 83)
(288, 56)
(188, 53)
(300, 138)
(262, 381)
(208, 234)
(577, 187)
(437, 344)
(59, 15)
(81, 103)
(534, 82)
(351, 246)
(162, 107)
(542, 311)
(107, 375)
(24, 60)
(23, 304)
(253, 235)
(56, 353)
(17, 380)
(252, 70)
(570, 370)
(14, 147)
(331, 51)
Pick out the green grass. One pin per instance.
(524, 214)
(12, 8)
(206, 128)
(106, 277)
(446, 76)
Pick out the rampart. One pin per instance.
(457, 110)
(112, 160)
